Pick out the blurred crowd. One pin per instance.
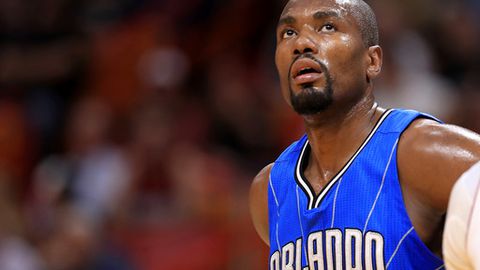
(130, 129)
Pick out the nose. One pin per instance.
(304, 44)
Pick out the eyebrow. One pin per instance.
(325, 14)
(317, 15)
(286, 20)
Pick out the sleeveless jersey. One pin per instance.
(357, 221)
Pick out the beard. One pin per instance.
(312, 100)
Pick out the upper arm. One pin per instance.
(432, 156)
(259, 202)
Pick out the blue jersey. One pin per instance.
(357, 221)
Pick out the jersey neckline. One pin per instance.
(314, 200)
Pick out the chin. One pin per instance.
(311, 100)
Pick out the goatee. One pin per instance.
(312, 100)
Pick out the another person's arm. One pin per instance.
(461, 238)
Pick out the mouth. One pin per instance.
(305, 71)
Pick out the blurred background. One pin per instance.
(130, 130)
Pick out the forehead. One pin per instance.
(309, 7)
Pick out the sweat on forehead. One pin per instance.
(358, 9)
(343, 4)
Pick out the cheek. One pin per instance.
(346, 65)
(348, 57)
(282, 62)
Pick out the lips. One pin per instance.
(305, 71)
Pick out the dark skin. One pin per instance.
(430, 156)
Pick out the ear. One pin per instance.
(374, 62)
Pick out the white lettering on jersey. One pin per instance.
(298, 254)
(287, 256)
(370, 238)
(275, 261)
(315, 250)
(358, 250)
(353, 249)
(334, 236)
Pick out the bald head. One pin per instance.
(366, 20)
(363, 15)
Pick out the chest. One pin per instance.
(352, 225)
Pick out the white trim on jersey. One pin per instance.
(274, 193)
(300, 178)
(303, 182)
(398, 246)
(300, 221)
(340, 174)
(381, 186)
(335, 202)
(278, 212)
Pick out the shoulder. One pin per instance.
(432, 156)
(260, 182)
(429, 131)
(437, 144)
(259, 202)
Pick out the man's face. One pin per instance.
(320, 55)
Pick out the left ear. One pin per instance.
(374, 62)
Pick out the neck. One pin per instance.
(334, 136)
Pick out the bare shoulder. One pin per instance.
(432, 156)
(259, 202)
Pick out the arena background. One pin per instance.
(130, 129)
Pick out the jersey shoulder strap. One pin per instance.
(399, 119)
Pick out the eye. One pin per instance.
(288, 33)
(328, 28)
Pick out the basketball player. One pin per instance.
(461, 238)
(365, 188)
